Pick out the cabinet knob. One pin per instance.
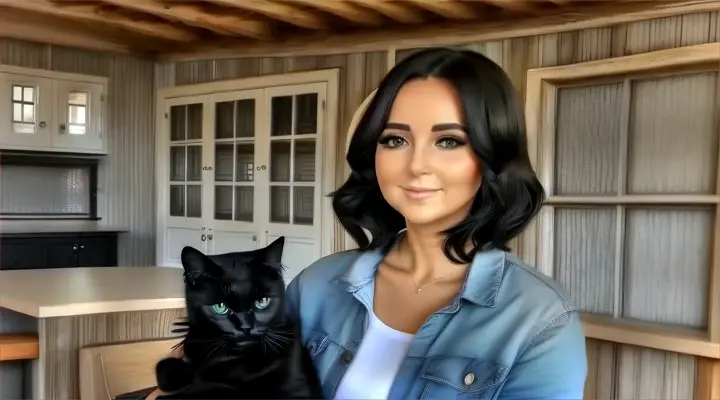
(210, 236)
(203, 237)
(42, 124)
(254, 238)
(62, 129)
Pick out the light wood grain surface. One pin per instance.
(80, 291)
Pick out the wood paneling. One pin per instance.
(57, 375)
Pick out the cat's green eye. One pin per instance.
(220, 308)
(262, 303)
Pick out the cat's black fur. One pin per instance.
(248, 351)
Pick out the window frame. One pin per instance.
(540, 106)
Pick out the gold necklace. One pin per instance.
(418, 288)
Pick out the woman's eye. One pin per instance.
(262, 303)
(392, 141)
(449, 143)
(220, 309)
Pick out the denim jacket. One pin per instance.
(510, 334)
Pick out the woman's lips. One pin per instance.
(419, 193)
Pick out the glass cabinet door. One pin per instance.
(26, 113)
(80, 116)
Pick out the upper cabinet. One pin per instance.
(49, 111)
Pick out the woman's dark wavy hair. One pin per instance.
(510, 194)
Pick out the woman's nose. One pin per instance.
(418, 160)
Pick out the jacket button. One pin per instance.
(469, 379)
(347, 357)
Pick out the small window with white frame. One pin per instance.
(23, 108)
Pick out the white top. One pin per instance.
(44, 293)
(376, 363)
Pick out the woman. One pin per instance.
(433, 305)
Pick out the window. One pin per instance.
(627, 149)
(77, 113)
(23, 108)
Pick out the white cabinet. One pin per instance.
(49, 111)
(238, 169)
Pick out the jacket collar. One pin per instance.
(481, 285)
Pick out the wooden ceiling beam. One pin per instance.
(92, 13)
(280, 11)
(33, 27)
(320, 44)
(447, 9)
(194, 16)
(393, 10)
(345, 10)
(524, 6)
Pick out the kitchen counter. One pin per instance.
(77, 307)
(44, 293)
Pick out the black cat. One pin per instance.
(239, 343)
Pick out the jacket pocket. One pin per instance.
(316, 342)
(453, 377)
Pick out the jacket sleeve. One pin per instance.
(554, 364)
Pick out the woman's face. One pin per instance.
(425, 165)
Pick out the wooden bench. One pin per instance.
(19, 346)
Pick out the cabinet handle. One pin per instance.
(62, 129)
(261, 167)
(210, 236)
(42, 124)
(202, 237)
(254, 238)
(206, 168)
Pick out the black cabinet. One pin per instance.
(58, 250)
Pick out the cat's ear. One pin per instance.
(274, 251)
(195, 262)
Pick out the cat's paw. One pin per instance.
(173, 374)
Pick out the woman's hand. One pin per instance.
(177, 353)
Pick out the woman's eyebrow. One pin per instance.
(400, 127)
(448, 127)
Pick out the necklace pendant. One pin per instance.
(417, 291)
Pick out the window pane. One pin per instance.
(588, 140)
(77, 98)
(17, 112)
(245, 118)
(306, 113)
(673, 135)
(281, 116)
(29, 94)
(224, 163)
(586, 268)
(224, 120)
(194, 163)
(194, 121)
(28, 113)
(194, 201)
(304, 161)
(177, 163)
(304, 205)
(223, 202)
(75, 129)
(177, 200)
(280, 204)
(280, 161)
(177, 123)
(667, 257)
(17, 93)
(77, 115)
(244, 203)
(23, 128)
(245, 163)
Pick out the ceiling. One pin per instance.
(191, 29)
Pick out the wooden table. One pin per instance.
(76, 307)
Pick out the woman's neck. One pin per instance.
(420, 253)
